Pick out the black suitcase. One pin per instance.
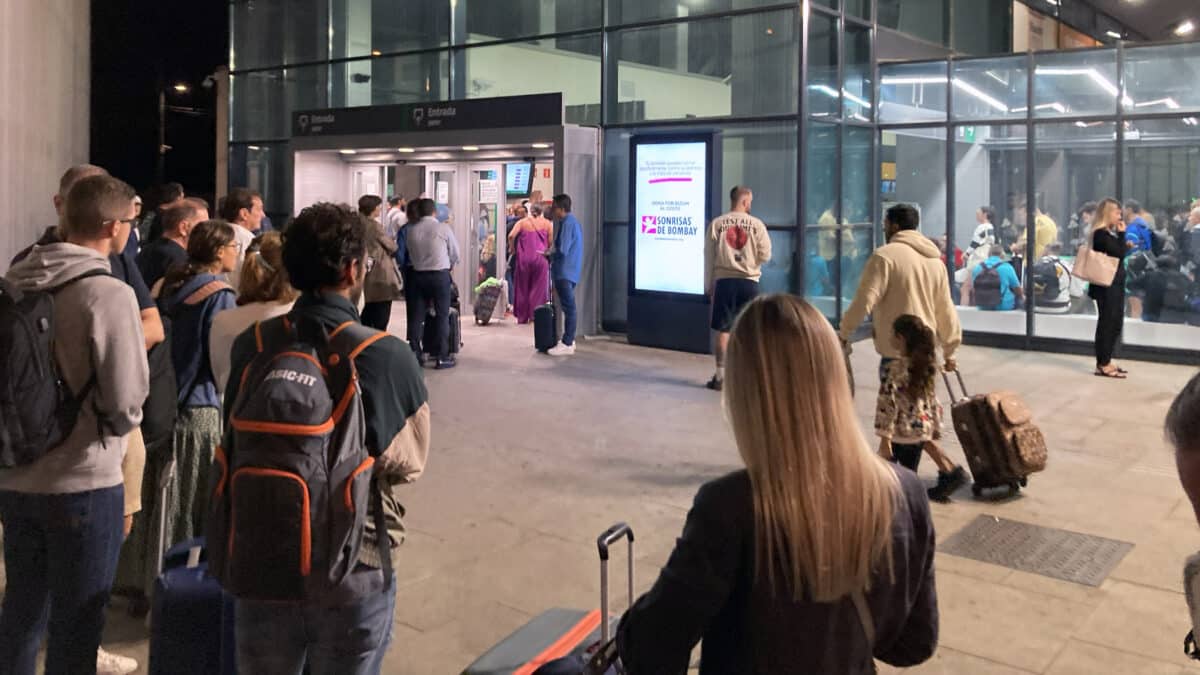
(545, 327)
(429, 340)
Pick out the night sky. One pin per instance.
(134, 43)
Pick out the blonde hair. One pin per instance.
(1098, 222)
(264, 278)
(823, 501)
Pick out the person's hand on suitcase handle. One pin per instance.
(951, 365)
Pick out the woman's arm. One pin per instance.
(658, 633)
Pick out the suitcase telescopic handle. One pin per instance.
(611, 536)
(962, 385)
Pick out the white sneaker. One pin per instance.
(114, 664)
(562, 350)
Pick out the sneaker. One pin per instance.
(715, 384)
(446, 363)
(947, 483)
(114, 664)
(562, 350)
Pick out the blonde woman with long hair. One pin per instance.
(818, 556)
(1108, 237)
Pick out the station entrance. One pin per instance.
(476, 159)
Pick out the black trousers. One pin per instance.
(1110, 305)
(412, 319)
(377, 314)
(432, 290)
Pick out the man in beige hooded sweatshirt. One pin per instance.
(904, 276)
(735, 250)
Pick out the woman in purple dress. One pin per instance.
(530, 239)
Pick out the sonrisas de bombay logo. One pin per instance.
(669, 225)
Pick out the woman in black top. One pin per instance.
(1108, 237)
(818, 557)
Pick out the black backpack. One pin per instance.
(37, 408)
(290, 484)
(989, 292)
(1047, 282)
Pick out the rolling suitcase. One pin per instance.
(1002, 444)
(191, 618)
(563, 640)
(545, 327)
(429, 342)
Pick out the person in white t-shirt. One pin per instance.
(242, 208)
(265, 293)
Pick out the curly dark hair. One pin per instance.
(319, 243)
(1183, 419)
(921, 351)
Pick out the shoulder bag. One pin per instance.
(1095, 267)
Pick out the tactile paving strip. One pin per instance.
(1060, 554)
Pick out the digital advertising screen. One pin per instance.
(670, 219)
(517, 178)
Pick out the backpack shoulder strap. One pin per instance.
(272, 333)
(351, 338)
(86, 275)
(206, 291)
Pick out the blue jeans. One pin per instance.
(281, 638)
(566, 298)
(60, 555)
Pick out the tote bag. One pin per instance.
(1095, 267)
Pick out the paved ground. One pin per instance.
(533, 457)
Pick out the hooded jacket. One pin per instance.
(97, 332)
(904, 276)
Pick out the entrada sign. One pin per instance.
(479, 113)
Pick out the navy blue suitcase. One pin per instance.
(191, 619)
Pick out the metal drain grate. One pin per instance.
(1061, 554)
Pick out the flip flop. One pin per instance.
(1114, 374)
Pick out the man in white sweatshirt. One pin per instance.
(62, 514)
(735, 250)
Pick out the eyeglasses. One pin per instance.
(235, 244)
(369, 264)
(123, 221)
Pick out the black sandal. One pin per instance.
(1115, 374)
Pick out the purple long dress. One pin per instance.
(532, 276)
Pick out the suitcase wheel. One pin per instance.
(976, 489)
(1024, 481)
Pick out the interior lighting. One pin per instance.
(829, 91)
(253, 147)
(346, 151)
(1168, 101)
(973, 91)
(376, 52)
(1113, 34)
(181, 88)
(406, 149)
(470, 148)
(541, 146)
(1191, 121)
(1102, 81)
(1185, 28)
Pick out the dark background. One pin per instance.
(136, 44)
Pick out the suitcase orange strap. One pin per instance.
(563, 645)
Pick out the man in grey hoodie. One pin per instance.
(62, 514)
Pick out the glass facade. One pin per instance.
(1012, 173)
(803, 113)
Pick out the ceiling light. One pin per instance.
(973, 91)
(348, 152)
(181, 88)
(541, 146)
(1113, 34)
(253, 147)
(470, 148)
(1185, 28)
(406, 149)
(376, 52)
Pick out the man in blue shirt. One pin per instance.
(566, 262)
(1009, 285)
(1137, 231)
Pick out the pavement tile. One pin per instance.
(1085, 658)
(953, 662)
(1140, 620)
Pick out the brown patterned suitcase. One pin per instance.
(1002, 444)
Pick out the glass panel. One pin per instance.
(763, 158)
(857, 90)
(742, 65)
(567, 65)
(380, 81)
(1076, 167)
(268, 169)
(820, 282)
(913, 171)
(912, 92)
(275, 32)
(991, 89)
(777, 274)
(859, 8)
(487, 20)
(635, 11)
(1162, 172)
(983, 27)
(857, 245)
(820, 218)
(857, 175)
(832, 4)
(1075, 83)
(363, 27)
(822, 96)
(262, 102)
(1160, 79)
(616, 272)
(989, 164)
(925, 19)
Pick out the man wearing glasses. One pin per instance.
(242, 208)
(433, 251)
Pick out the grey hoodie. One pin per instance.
(97, 329)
